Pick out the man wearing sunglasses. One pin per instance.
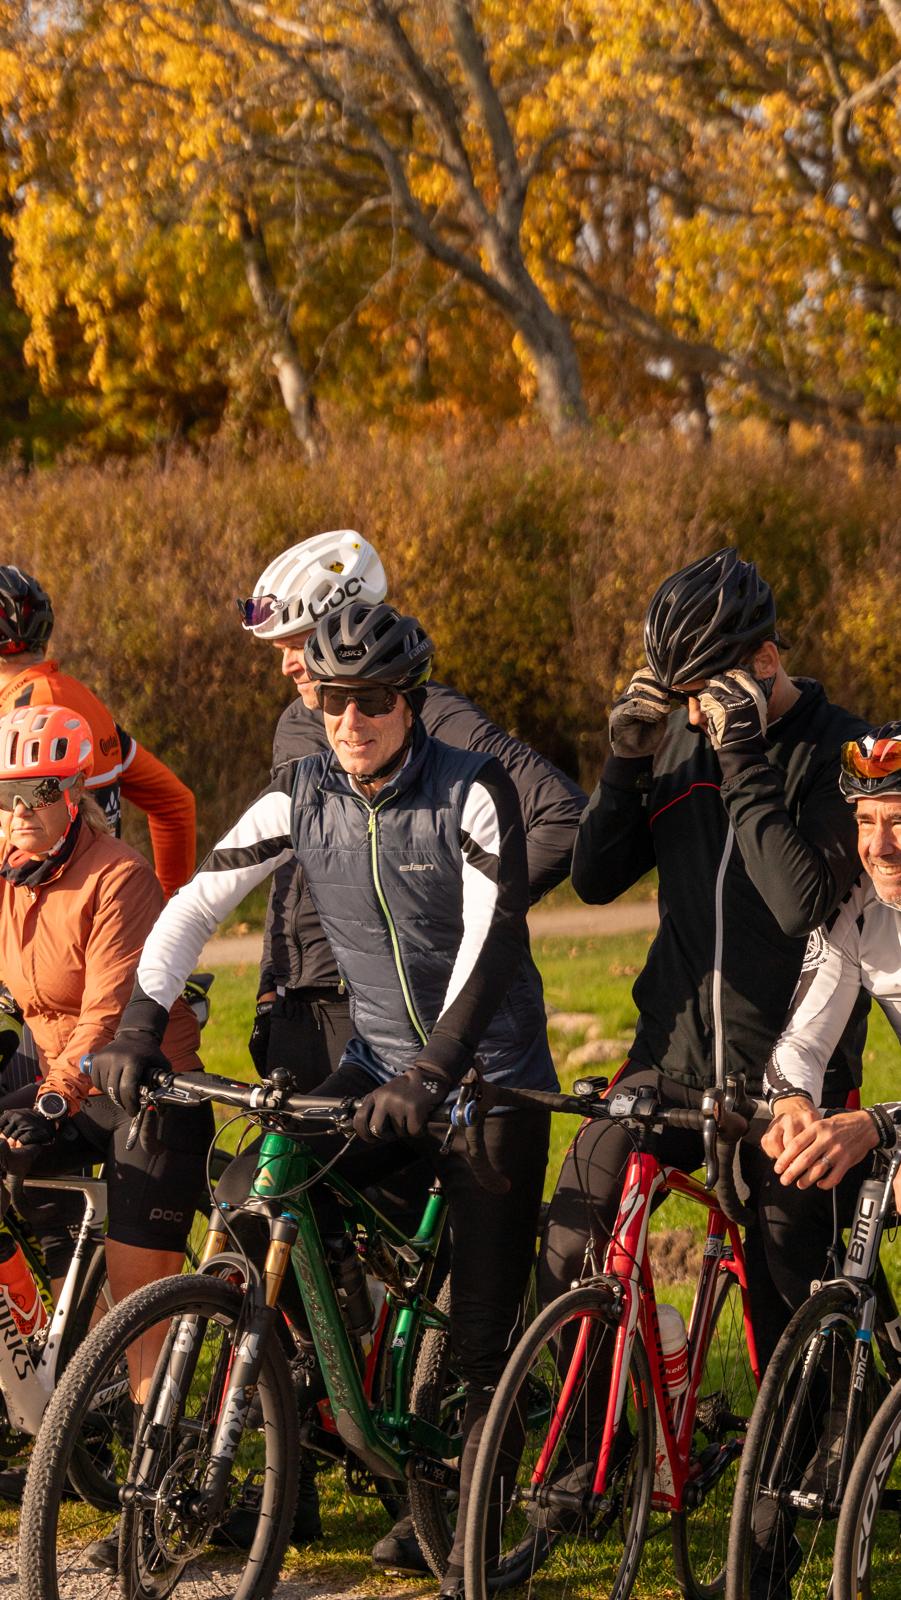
(859, 947)
(303, 1012)
(303, 1020)
(722, 775)
(415, 857)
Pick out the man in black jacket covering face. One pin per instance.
(722, 774)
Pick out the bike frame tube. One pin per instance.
(283, 1165)
(406, 1328)
(28, 1384)
(627, 1265)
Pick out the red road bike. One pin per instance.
(586, 1437)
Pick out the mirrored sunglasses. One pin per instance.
(371, 700)
(34, 793)
(883, 759)
(258, 609)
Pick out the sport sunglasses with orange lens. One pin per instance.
(371, 700)
(884, 759)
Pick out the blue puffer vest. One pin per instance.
(386, 881)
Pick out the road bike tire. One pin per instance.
(439, 1398)
(560, 1372)
(159, 1547)
(726, 1396)
(790, 1450)
(867, 1559)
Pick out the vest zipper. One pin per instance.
(395, 945)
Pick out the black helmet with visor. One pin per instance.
(370, 647)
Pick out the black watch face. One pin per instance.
(52, 1106)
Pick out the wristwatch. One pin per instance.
(51, 1105)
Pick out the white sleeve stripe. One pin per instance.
(479, 824)
(257, 844)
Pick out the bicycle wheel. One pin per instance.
(726, 1396)
(868, 1541)
(165, 1540)
(533, 1519)
(786, 1497)
(92, 1469)
(437, 1396)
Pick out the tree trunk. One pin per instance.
(549, 341)
(293, 379)
(698, 411)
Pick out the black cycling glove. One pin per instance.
(27, 1127)
(258, 1043)
(123, 1065)
(735, 706)
(403, 1106)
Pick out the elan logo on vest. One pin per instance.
(417, 866)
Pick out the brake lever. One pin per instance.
(137, 1122)
(711, 1104)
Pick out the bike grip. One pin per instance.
(490, 1179)
(686, 1117)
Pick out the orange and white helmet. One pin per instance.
(45, 742)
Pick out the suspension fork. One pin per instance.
(245, 1363)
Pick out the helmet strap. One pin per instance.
(390, 766)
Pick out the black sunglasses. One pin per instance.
(371, 700)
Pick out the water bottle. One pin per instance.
(18, 1290)
(674, 1344)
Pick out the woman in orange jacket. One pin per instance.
(75, 908)
(122, 767)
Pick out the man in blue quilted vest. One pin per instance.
(415, 857)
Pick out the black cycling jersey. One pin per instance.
(748, 867)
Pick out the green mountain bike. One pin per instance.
(208, 1464)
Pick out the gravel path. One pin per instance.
(573, 922)
(220, 1585)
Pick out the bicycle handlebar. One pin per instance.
(722, 1118)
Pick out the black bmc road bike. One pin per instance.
(827, 1377)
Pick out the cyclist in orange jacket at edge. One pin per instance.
(122, 767)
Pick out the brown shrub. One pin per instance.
(530, 562)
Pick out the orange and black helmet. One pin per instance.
(871, 765)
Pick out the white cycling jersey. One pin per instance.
(859, 947)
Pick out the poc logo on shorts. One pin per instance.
(158, 1215)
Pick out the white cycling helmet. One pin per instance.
(318, 576)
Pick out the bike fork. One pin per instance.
(245, 1366)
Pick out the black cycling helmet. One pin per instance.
(370, 644)
(871, 765)
(707, 618)
(26, 615)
